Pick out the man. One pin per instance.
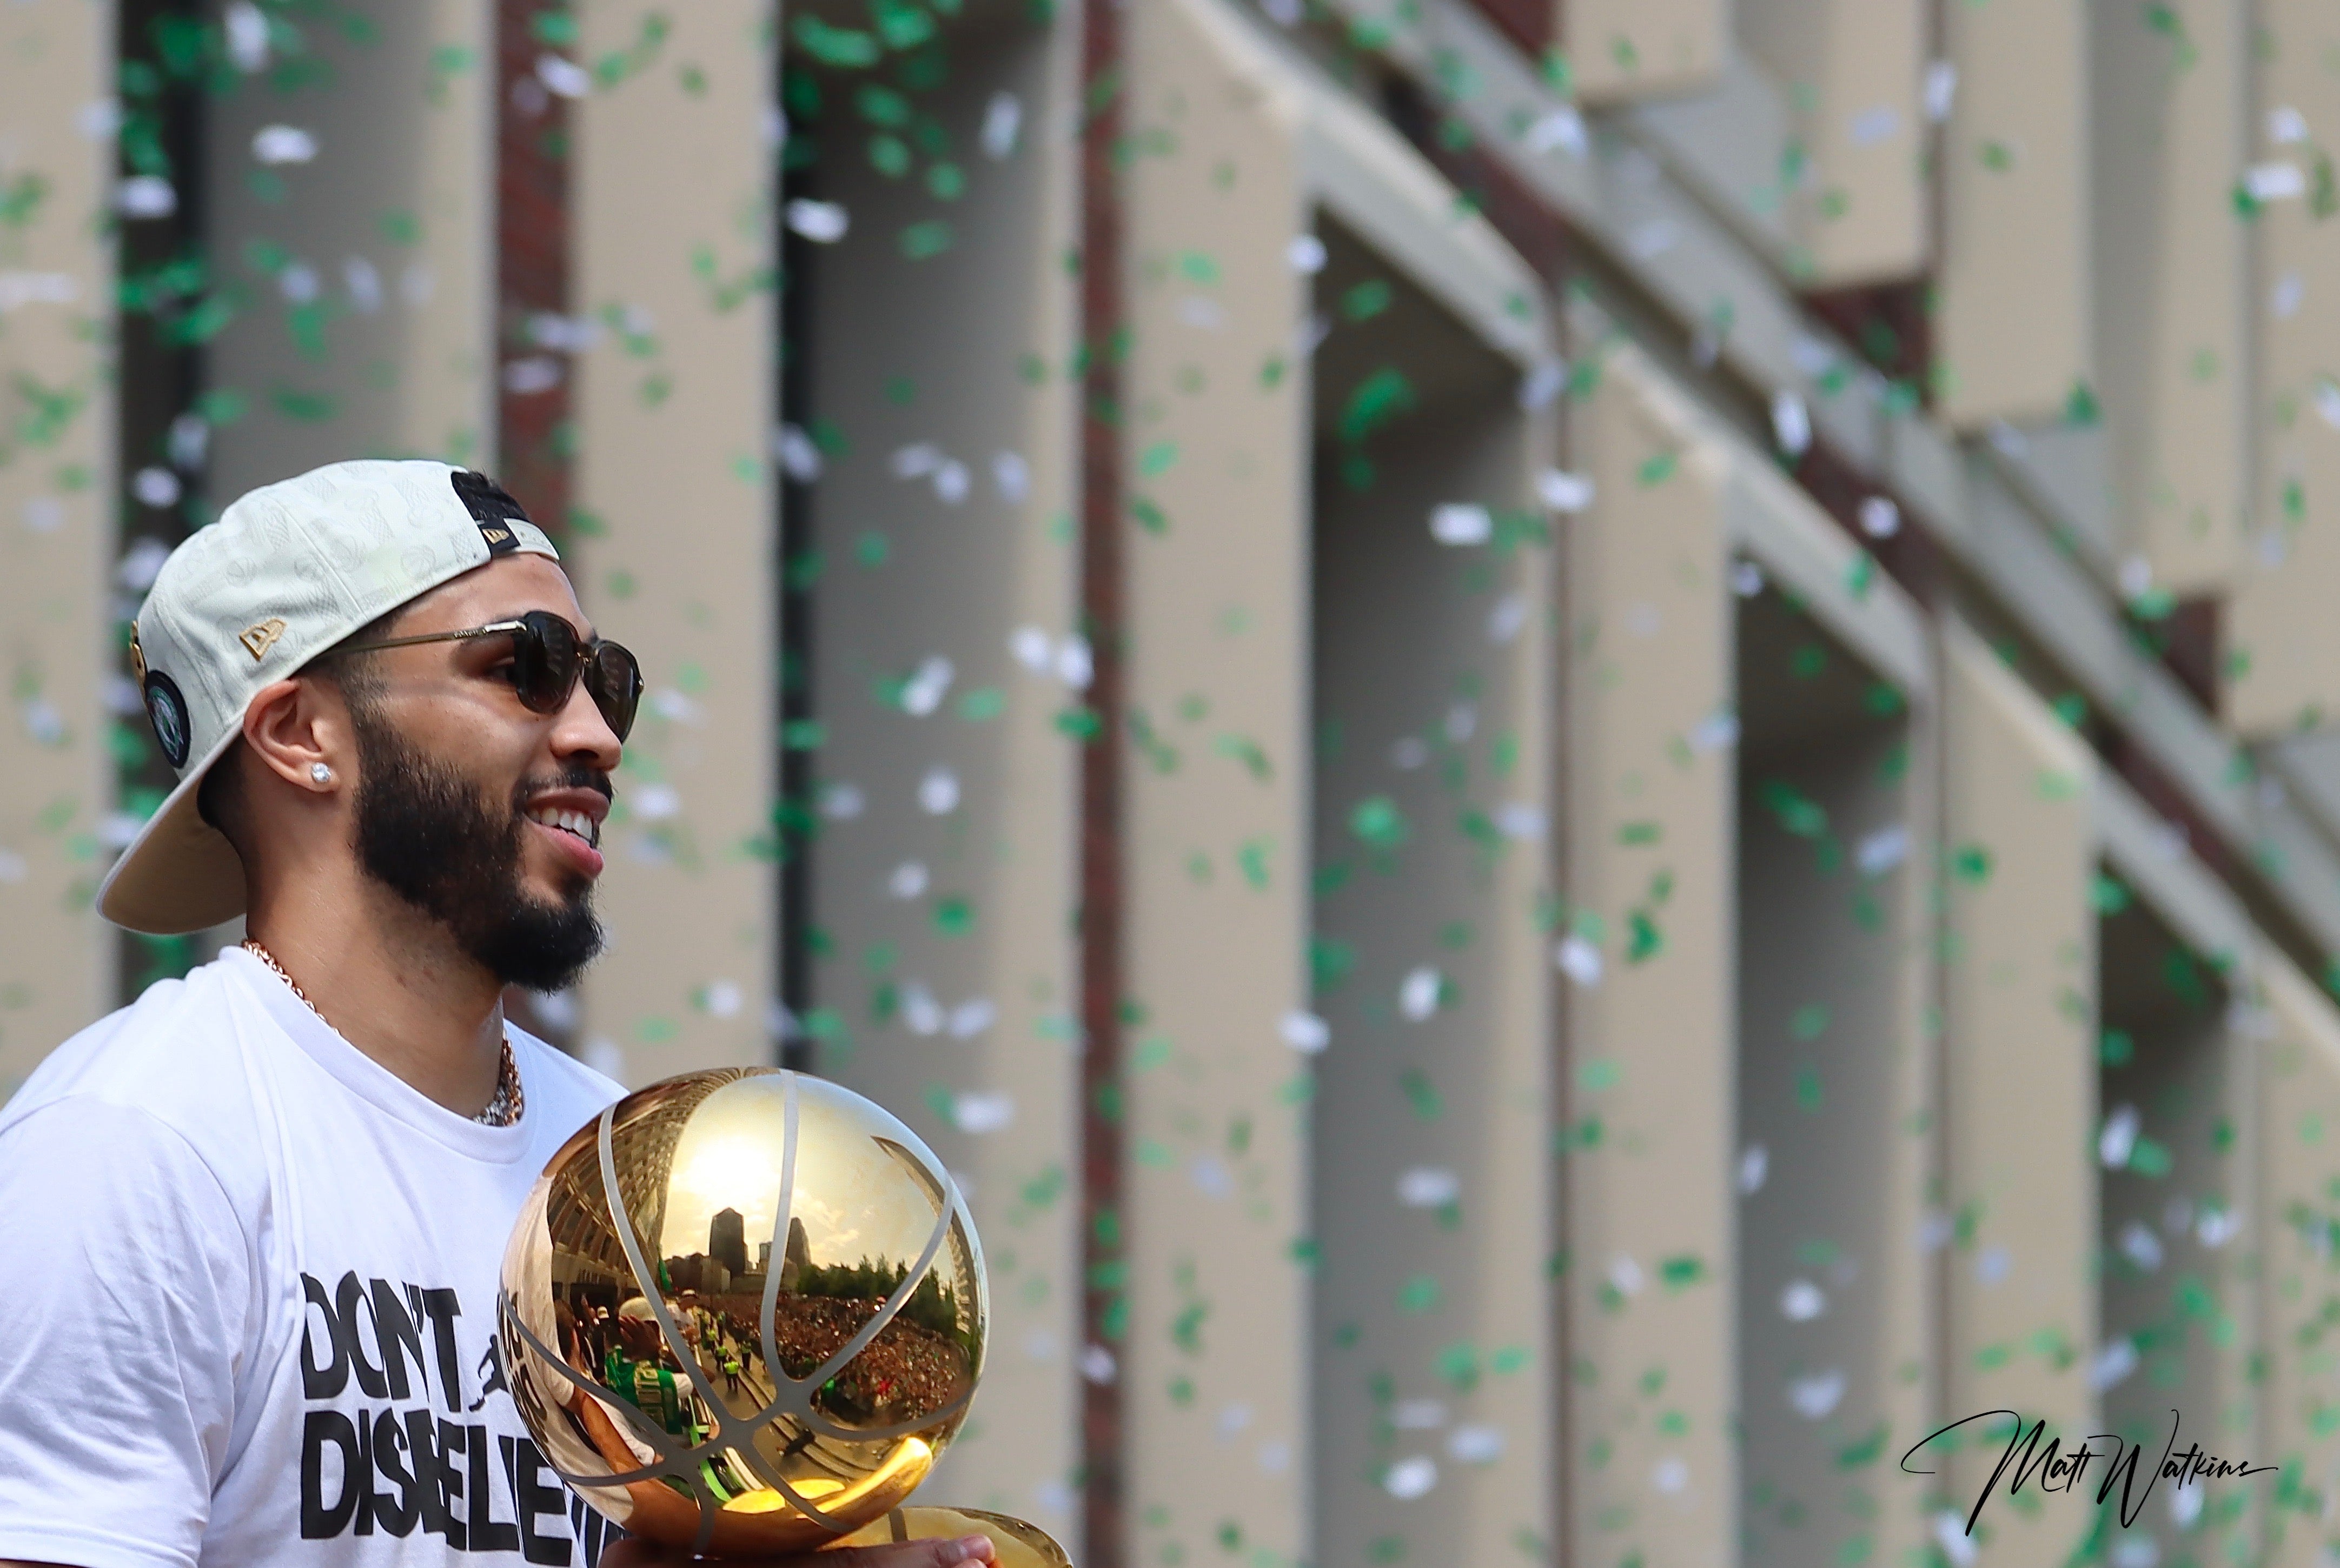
(253, 1222)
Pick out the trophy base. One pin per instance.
(1017, 1543)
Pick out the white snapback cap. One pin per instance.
(285, 573)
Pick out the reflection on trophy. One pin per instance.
(744, 1313)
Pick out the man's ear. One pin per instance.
(300, 731)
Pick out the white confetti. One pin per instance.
(1883, 850)
(1519, 819)
(1746, 579)
(2185, 1503)
(1075, 663)
(1462, 522)
(2285, 126)
(2217, 1226)
(1097, 1364)
(2290, 292)
(1878, 123)
(657, 802)
(1417, 997)
(926, 687)
(1508, 618)
(1477, 1443)
(921, 1014)
(915, 460)
(99, 119)
(1428, 1186)
(2327, 402)
(1670, 1475)
(1803, 1301)
(1715, 732)
(2119, 1140)
(1815, 1396)
(563, 77)
(298, 284)
(21, 289)
(14, 868)
(1754, 1167)
(907, 879)
(43, 723)
(145, 196)
(45, 514)
(1542, 384)
(1202, 311)
(724, 998)
(1012, 476)
(1304, 254)
(938, 792)
(1579, 959)
(822, 223)
(2140, 1245)
(1410, 1477)
(1564, 128)
(951, 482)
(1625, 1275)
(1951, 1535)
(2275, 181)
(1792, 422)
(1941, 93)
(799, 455)
(275, 145)
(985, 1112)
(1030, 647)
(156, 487)
(1880, 517)
(1992, 1264)
(1563, 491)
(364, 282)
(247, 37)
(190, 441)
(972, 1016)
(1233, 1418)
(2115, 1362)
(841, 802)
(140, 562)
(1002, 118)
(1210, 1177)
(536, 373)
(1418, 1415)
(1304, 1031)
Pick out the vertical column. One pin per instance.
(1619, 49)
(1651, 1380)
(1213, 1366)
(1855, 187)
(351, 176)
(57, 624)
(2172, 276)
(2178, 1318)
(2282, 665)
(2019, 954)
(1432, 706)
(2014, 307)
(2298, 1152)
(674, 526)
(1835, 1126)
(948, 667)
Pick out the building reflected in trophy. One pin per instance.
(703, 1397)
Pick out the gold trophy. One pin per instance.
(744, 1312)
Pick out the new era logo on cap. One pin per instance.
(286, 572)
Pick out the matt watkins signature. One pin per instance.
(2054, 1469)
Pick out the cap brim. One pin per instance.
(180, 874)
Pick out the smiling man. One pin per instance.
(253, 1222)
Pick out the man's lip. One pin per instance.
(589, 859)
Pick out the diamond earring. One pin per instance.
(320, 773)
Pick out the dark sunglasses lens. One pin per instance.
(544, 661)
(615, 681)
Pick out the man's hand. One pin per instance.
(632, 1553)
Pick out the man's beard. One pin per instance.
(425, 832)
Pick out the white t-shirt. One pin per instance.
(248, 1306)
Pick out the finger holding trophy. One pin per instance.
(745, 1313)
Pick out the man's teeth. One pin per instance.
(576, 822)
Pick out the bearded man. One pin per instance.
(254, 1221)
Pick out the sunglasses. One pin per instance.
(548, 660)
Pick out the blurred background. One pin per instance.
(1585, 753)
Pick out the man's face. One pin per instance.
(461, 789)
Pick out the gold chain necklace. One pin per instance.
(502, 1112)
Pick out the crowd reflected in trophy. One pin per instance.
(745, 1312)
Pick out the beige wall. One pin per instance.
(1633, 48)
(2172, 283)
(970, 1033)
(57, 498)
(2018, 988)
(1850, 71)
(2013, 280)
(674, 547)
(1651, 1383)
(2298, 1162)
(367, 272)
(2285, 668)
(1213, 1372)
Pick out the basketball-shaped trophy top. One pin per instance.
(744, 1312)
